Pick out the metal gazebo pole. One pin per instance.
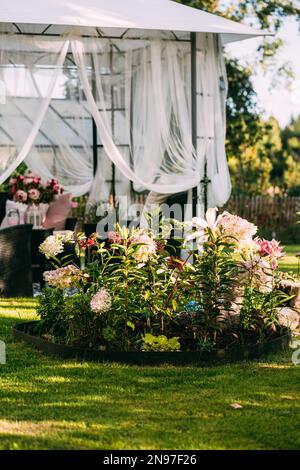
(194, 94)
(95, 149)
(194, 108)
(94, 127)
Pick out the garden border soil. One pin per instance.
(21, 332)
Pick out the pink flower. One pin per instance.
(28, 180)
(74, 204)
(114, 237)
(34, 194)
(12, 181)
(21, 196)
(269, 248)
(264, 246)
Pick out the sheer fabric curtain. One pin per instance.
(157, 88)
(162, 155)
(211, 116)
(44, 119)
(19, 127)
(139, 94)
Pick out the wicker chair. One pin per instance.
(3, 199)
(15, 261)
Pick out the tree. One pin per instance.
(290, 136)
(266, 14)
(255, 157)
(244, 128)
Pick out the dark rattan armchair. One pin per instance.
(3, 199)
(15, 261)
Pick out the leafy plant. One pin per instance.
(160, 343)
(50, 310)
(214, 278)
(131, 294)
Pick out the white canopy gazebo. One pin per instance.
(116, 97)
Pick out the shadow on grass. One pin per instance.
(46, 403)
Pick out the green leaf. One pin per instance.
(147, 294)
(131, 325)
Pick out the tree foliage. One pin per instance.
(257, 157)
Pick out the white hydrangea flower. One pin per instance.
(64, 277)
(237, 227)
(101, 301)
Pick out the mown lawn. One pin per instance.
(290, 263)
(47, 403)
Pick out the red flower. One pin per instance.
(83, 244)
(88, 242)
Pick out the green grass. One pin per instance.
(47, 403)
(290, 263)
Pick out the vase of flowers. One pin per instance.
(30, 190)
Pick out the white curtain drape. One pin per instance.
(162, 155)
(211, 89)
(139, 95)
(42, 120)
(20, 128)
(211, 116)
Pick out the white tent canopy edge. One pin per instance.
(162, 15)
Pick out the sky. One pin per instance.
(279, 102)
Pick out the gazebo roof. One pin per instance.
(163, 15)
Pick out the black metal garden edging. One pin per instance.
(21, 332)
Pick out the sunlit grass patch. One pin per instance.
(290, 263)
(47, 403)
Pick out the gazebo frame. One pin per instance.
(95, 146)
(218, 27)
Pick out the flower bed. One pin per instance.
(26, 332)
(131, 294)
